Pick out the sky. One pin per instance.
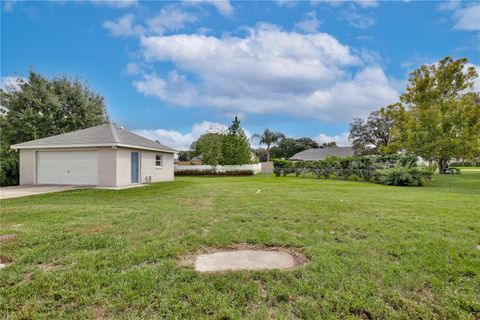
(174, 70)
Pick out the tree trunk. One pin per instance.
(442, 165)
(268, 154)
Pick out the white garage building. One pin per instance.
(104, 155)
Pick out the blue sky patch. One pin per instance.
(172, 70)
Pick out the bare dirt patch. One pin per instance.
(203, 203)
(100, 313)
(52, 266)
(90, 229)
(241, 257)
(7, 238)
(48, 266)
(4, 262)
(96, 228)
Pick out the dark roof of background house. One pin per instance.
(322, 153)
(102, 135)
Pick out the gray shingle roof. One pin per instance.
(322, 153)
(102, 135)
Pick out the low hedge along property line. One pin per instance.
(395, 170)
(213, 172)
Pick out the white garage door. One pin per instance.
(67, 167)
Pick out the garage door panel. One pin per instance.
(67, 167)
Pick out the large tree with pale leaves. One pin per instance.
(439, 115)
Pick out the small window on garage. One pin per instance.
(158, 160)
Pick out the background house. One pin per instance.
(322, 153)
(104, 155)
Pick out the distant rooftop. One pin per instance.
(322, 153)
(99, 136)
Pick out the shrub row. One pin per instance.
(403, 176)
(213, 172)
(464, 164)
(390, 170)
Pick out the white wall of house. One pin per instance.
(27, 167)
(149, 169)
(147, 166)
(107, 167)
(114, 165)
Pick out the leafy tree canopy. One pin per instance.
(373, 136)
(210, 146)
(439, 117)
(288, 147)
(269, 138)
(236, 146)
(39, 107)
(328, 144)
(225, 148)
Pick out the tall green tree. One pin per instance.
(268, 138)
(287, 147)
(38, 107)
(329, 144)
(236, 146)
(210, 146)
(373, 136)
(440, 114)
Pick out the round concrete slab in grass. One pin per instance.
(248, 259)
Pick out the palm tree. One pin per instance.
(268, 138)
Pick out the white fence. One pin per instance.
(256, 168)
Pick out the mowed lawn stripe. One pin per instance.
(375, 251)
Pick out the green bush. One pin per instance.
(452, 170)
(354, 177)
(465, 164)
(402, 176)
(389, 169)
(213, 172)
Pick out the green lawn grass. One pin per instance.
(376, 251)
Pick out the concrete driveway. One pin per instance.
(30, 190)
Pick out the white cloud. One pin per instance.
(310, 24)
(476, 84)
(8, 5)
(465, 15)
(336, 3)
(340, 139)
(354, 11)
(356, 19)
(123, 26)
(133, 69)
(367, 3)
(175, 88)
(467, 18)
(181, 141)
(170, 18)
(11, 83)
(223, 6)
(269, 71)
(118, 4)
(286, 3)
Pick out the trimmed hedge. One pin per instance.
(389, 169)
(213, 172)
(403, 176)
(465, 164)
